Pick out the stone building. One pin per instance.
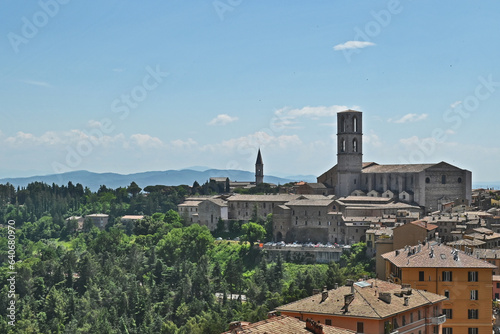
(304, 219)
(427, 185)
(98, 219)
(244, 207)
(211, 211)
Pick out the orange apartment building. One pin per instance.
(407, 234)
(372, 307)
(465, 280)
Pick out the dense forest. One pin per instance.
(157, 275)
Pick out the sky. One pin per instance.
(127, 86)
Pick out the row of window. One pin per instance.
(471, 313)
(305, 213)
(354, 145)
(447, 330)
(343, 124)
(447, 276)
(319, 223)
(245, 204)
(443, 179)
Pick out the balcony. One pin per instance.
(438, 320)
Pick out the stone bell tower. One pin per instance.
(349, 151)
(259, 169)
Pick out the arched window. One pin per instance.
(342, 145)
(354, 145)
(342, 124)
(427, 180)
(443, 179)
(459, 180)
(355, 124)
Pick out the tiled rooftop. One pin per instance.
(284, 325)
(366, 302)
(442, 257)
(404, 168)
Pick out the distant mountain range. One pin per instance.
(169, 178)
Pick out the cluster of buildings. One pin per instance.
(99, 220)
(437, 257)
(425, 288)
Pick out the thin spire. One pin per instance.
(259, 159)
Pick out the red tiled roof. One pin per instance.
(442, 257)
(366, 302)
(284, 324)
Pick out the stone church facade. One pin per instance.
(427, 185)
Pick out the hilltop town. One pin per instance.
(368, 248)
(435, 240)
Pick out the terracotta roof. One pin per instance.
(310, 202)
(284, 324)
(276, 198)
(482, 236)
(132, 217)
(489, 254)
(348, 199)
(316, 185)
(442, 257)
(366, 302)
(217, 201)
(190, 203)
(263, 198)
(424, 224)
(466, 242)
(404, 168)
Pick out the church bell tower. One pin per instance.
(349, 151)
(259, 169)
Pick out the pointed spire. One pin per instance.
(259, 159)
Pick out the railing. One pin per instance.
(438, 320)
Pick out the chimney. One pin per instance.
(336, 286)
(234, 325)
(271, 314)
(406, 301)
(314, 327)
(347, 301)
(385, 296)
(324, 294)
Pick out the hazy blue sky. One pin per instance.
(129, 86)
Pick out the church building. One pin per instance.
(428, 185)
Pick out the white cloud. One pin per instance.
(145, 141)
(286, 117)
(409, 118)
(410, 141)
(183, 144)
(372, 139)
(352, 45)
(94, 124)
(455, 104)
(253, 141)
(321, 111)
(222, 119)
(36, 83)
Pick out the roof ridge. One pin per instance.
(374, 310)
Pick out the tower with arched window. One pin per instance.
(349, 151)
